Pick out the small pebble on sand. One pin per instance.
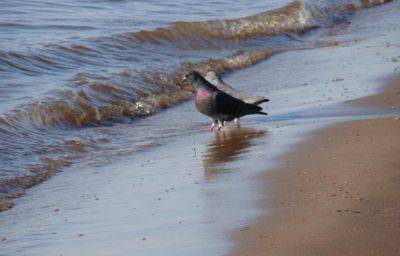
(337, 79)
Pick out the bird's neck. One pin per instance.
(198, 84)
(205, 85)
(202, 93)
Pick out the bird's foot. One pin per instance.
(214, 123)
(237, 123)
(220, 124)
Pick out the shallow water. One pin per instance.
(77, 77)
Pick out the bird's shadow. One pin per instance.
(228, 146)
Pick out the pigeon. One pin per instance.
(218, 105)
(215, 80)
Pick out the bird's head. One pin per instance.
(193, 78)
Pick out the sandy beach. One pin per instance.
(337, 193)
(318, 176)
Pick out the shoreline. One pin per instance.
(99, 105)
(337, 192)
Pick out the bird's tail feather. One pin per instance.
(257, 113)
(261, 113)
(254, 110)
(258, 102)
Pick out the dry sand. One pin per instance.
(337, 193)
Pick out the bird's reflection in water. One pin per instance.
(228, 146)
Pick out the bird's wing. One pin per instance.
(226, 104)
(240, 95)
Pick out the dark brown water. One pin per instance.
(72, 72)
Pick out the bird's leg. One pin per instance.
(220, 124)
(236, 121)
(213, 124)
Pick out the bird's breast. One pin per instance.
(204, 102)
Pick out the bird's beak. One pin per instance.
(186, 86)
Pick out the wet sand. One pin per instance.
(337, 193)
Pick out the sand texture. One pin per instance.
(336, 194)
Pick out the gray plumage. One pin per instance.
(217, 104)
(215, 80)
